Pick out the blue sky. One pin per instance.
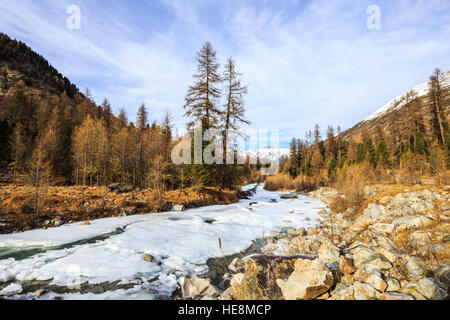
(305, 62)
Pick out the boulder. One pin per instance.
(57, 222)
(150, 258)
(347, 266)
(413, 290)
(328, 252)
(290, 195)
(361, 254)
(261, 275)
(299, 244)
(387, 243)
(430, 290)
(382, 228)
(364, 291)
(392, 284)
(416, 269)
(128, 212)
(374, 211)
(237, 266)
(301, 232)
(85, 223)
(310, 280)
(197, 288)
(227, 294)
(235, 284)
(414, 222)
(361, 224)
(39, 293)
(373, 278)
(376, 261)
(391, 256)
(396, 296)
(178, 208)
(385, 200)
(442, 276)
(342, 292)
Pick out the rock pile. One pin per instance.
(397, 249)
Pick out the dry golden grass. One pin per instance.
(79, 204)
(284, 182)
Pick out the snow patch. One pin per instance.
(421, 91)
(182, 242)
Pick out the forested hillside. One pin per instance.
(408, 142)
(53, 134)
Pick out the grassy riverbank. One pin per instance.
(59, 205)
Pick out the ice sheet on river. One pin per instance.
(183, 242)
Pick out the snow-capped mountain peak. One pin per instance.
(398, 102)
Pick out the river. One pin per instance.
(103, 260)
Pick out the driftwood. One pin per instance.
(276, 258)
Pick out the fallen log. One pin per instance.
(291, 257)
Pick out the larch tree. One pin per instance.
(233, 116)
(202, 96)
(39, 169)
(18, 149)
(235, 91)
(142, 123)
(123, 119)
(436, 98)
(89, 148)
(142, 117)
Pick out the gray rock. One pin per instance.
(227, 295)
(430, 290)
(128, 212)
(373, 211)
(416, 269)
(178, 208)
(197, 288)
(377, 261)
(383, 228)
(149, 258)
(39, 293)
(365, 292)
(442, 276)
(393, 284)
(237, 266)
(57, 222)
(342, 292)
(372, 278)
(396, 296)
(290, 195)
(308, 281)
(412, 222)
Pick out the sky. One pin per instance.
(305, 62)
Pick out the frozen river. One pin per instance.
(103, 260)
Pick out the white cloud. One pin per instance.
(305, 62)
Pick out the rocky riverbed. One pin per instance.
(394, 248)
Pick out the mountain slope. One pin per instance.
(421, 90)
(384, 116)
(18, 62)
